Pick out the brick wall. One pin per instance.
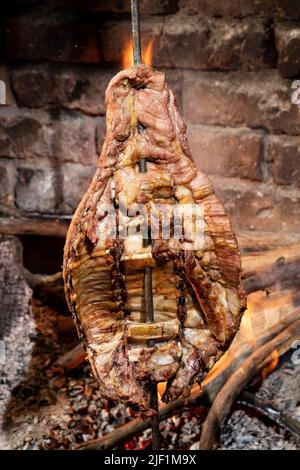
(231, 65)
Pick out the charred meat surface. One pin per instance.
(197, 297)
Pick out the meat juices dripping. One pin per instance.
(198, 300)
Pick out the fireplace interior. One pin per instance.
(234, 69)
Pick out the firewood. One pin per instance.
(49, 288)
(279, 273)
(135, 426)
(73, 358)
(258, 261)
(200, 397)
(65, 324)
(34, 226)
(252, 241)
(41, 280)
(245, 373)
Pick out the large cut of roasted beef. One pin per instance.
(198, 301)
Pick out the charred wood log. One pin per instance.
(49, 288)
(267, 409)
(258, 261)
(57, 227)
(73, 358)
(281, 273)
(225, 398)
(259, 242)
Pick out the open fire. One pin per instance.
(271, 365)
(147, 53)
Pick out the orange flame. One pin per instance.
(246, 325)
(271, 365)
(147, 54)
(161, 387)
(127, 58)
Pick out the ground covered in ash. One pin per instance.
(43, 406)
(282, 390)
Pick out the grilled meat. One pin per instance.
(198, 300)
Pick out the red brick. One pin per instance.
(36, 189)
(5, 91)
(7, 183)
(174, 79)
(258, 100)
(262, 207)
(33, 86)
(227, 152)
(288, 45)
(47, 35)
(214, 44)
(43, 188)
(289, 9)
(153, 7)
(74, 87)
(199, 44)
(58, 135)
(75, 181)
(194, 43)
(285, 158)
(116, 36)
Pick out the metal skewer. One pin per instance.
(137, 59)
(136, 32)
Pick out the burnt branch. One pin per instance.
(286, 274)
(267, 409)
(56, 227)
(245, 373)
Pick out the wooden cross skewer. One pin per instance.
(137, 58)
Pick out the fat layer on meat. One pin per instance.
(197, 297)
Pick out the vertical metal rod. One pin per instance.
(136, 32)
(148, 295)
(137, 59)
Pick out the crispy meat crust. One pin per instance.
(197, 295)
